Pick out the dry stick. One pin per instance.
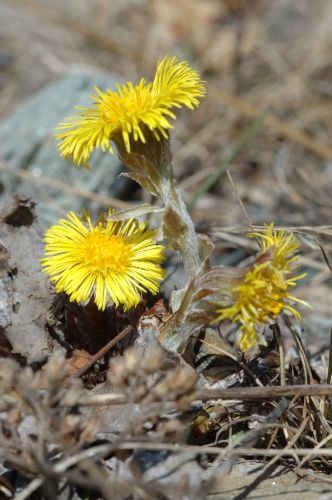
(252, 436)
(289, 445)
(272, 438)
(306, 365)
(325, 230)
(238, 452)
(270, 392)
(103, 351)
(276, 331)
(103, 449)
(106, 201)
(282, 358)
(326, 404)
(101, 400)
(92, 452)
(329, 373)
(238, 199)
(325, 256)
(311, 452)
(28, 490)
(232, 393)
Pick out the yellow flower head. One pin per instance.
(110, 261)
(130, 111)
(264, 291)
(280, 244)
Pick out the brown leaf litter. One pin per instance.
(138, 418)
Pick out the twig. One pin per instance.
(276, 331)
(312, 452)
(325, 256)
(251, 437)
(103, 351)
(239, 452)
(102, 400)
(106, 201)
(329, 373)
(306, 365)
(238, 199)
(66, 463)
(270, 392)
(290, 444)
(326, 402)
(232, 393)
(28, 490)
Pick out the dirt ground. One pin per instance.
(267, 60)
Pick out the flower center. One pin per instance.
(127, 106)
(105, 253)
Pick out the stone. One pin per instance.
(248, 479)
(25, 294)
(27, 142)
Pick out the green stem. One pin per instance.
(179, 227)
(150, 165)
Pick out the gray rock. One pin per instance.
(4, 315)
(25, 293)
(248, 480)
(157, 474)
(27, 142)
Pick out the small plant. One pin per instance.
(116, 260)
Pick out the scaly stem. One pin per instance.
(178, 225)
(150, 165)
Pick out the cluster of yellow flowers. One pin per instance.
(111, 261)
(115, 262)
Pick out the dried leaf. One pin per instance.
(135, 212)
(25, 293)
(199, 303)
(79, 359)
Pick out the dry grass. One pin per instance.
(256, 56)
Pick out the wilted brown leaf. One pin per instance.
(25, 293)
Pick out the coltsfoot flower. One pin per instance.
(282, 245)
(263, 293)
(110, 261)
(131, 111)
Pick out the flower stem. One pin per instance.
(179, 227)
(150, 165)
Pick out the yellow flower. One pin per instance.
(283, 246)
(264, 291)
(110, 261)
(130, 111)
